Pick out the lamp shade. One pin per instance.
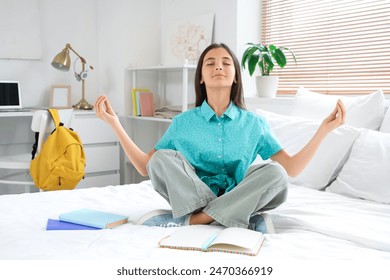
(62, 60)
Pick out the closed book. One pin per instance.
(135, 92)
(146, 103)
(137, 103)
(93, 218)
(208, 238)
(54, 224)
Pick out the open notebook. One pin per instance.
(209, 238)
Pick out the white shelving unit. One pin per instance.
(145, 131)
(161, 72)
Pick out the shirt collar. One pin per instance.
(231, 111)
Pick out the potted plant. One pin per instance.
(265, 57)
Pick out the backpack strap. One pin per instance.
(56, 119)
(35, 146)
(55, 116)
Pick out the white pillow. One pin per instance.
(366, 174)
(385, 127)
(294, 133)
(364, 111)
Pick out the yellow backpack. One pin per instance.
(61, 161)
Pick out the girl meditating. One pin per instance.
(202, 165)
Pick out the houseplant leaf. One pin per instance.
(279, 57)
(252, 63)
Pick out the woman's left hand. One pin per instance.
(335, 119)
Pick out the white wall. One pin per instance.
(61, 22)
(128, 35)
(249, 31)
(113, 35)
(130, 32)
(236, 22)
(225, 16)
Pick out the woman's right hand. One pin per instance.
(104, 111)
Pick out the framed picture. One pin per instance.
(183, 41)
(60, 96)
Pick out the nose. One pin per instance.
(218, 65)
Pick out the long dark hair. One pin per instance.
(236, 92)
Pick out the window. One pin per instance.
(342, 47)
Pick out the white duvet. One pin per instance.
(311, 225)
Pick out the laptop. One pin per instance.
(10, 97)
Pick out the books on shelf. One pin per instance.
(143, 102)
(208, 238)
(146, 104)
(93, 218)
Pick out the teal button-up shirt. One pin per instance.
(220, 149)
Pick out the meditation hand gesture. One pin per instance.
(104, 111)
(335, 119)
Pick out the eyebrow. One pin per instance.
(213, 58)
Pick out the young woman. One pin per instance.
(202, 164)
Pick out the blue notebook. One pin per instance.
(93, 218)
(53, 224)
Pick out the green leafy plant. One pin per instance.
(265, 57)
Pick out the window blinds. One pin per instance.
(342, 46)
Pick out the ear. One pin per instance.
(201, 81)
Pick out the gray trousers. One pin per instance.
(263, 188)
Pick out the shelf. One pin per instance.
(29, 113)
(164, 82)
(155, 119)
(161, 71)
(16, 114)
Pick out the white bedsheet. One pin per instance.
(311, 225)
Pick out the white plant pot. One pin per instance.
(267, 86)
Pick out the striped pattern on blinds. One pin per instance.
(342, 46)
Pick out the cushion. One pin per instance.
(385, 127)
(295, 132)
(364, 111)
(366, 174)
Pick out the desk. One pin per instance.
(100, 144)
(16, 114)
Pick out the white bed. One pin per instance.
(311, 225)
(338, 208)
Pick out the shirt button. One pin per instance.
(223, 169)
(219, 124)
(219, 139)
(219, 156)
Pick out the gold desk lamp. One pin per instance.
(62, 62)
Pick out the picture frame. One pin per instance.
(184, 40)
(60, 97)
